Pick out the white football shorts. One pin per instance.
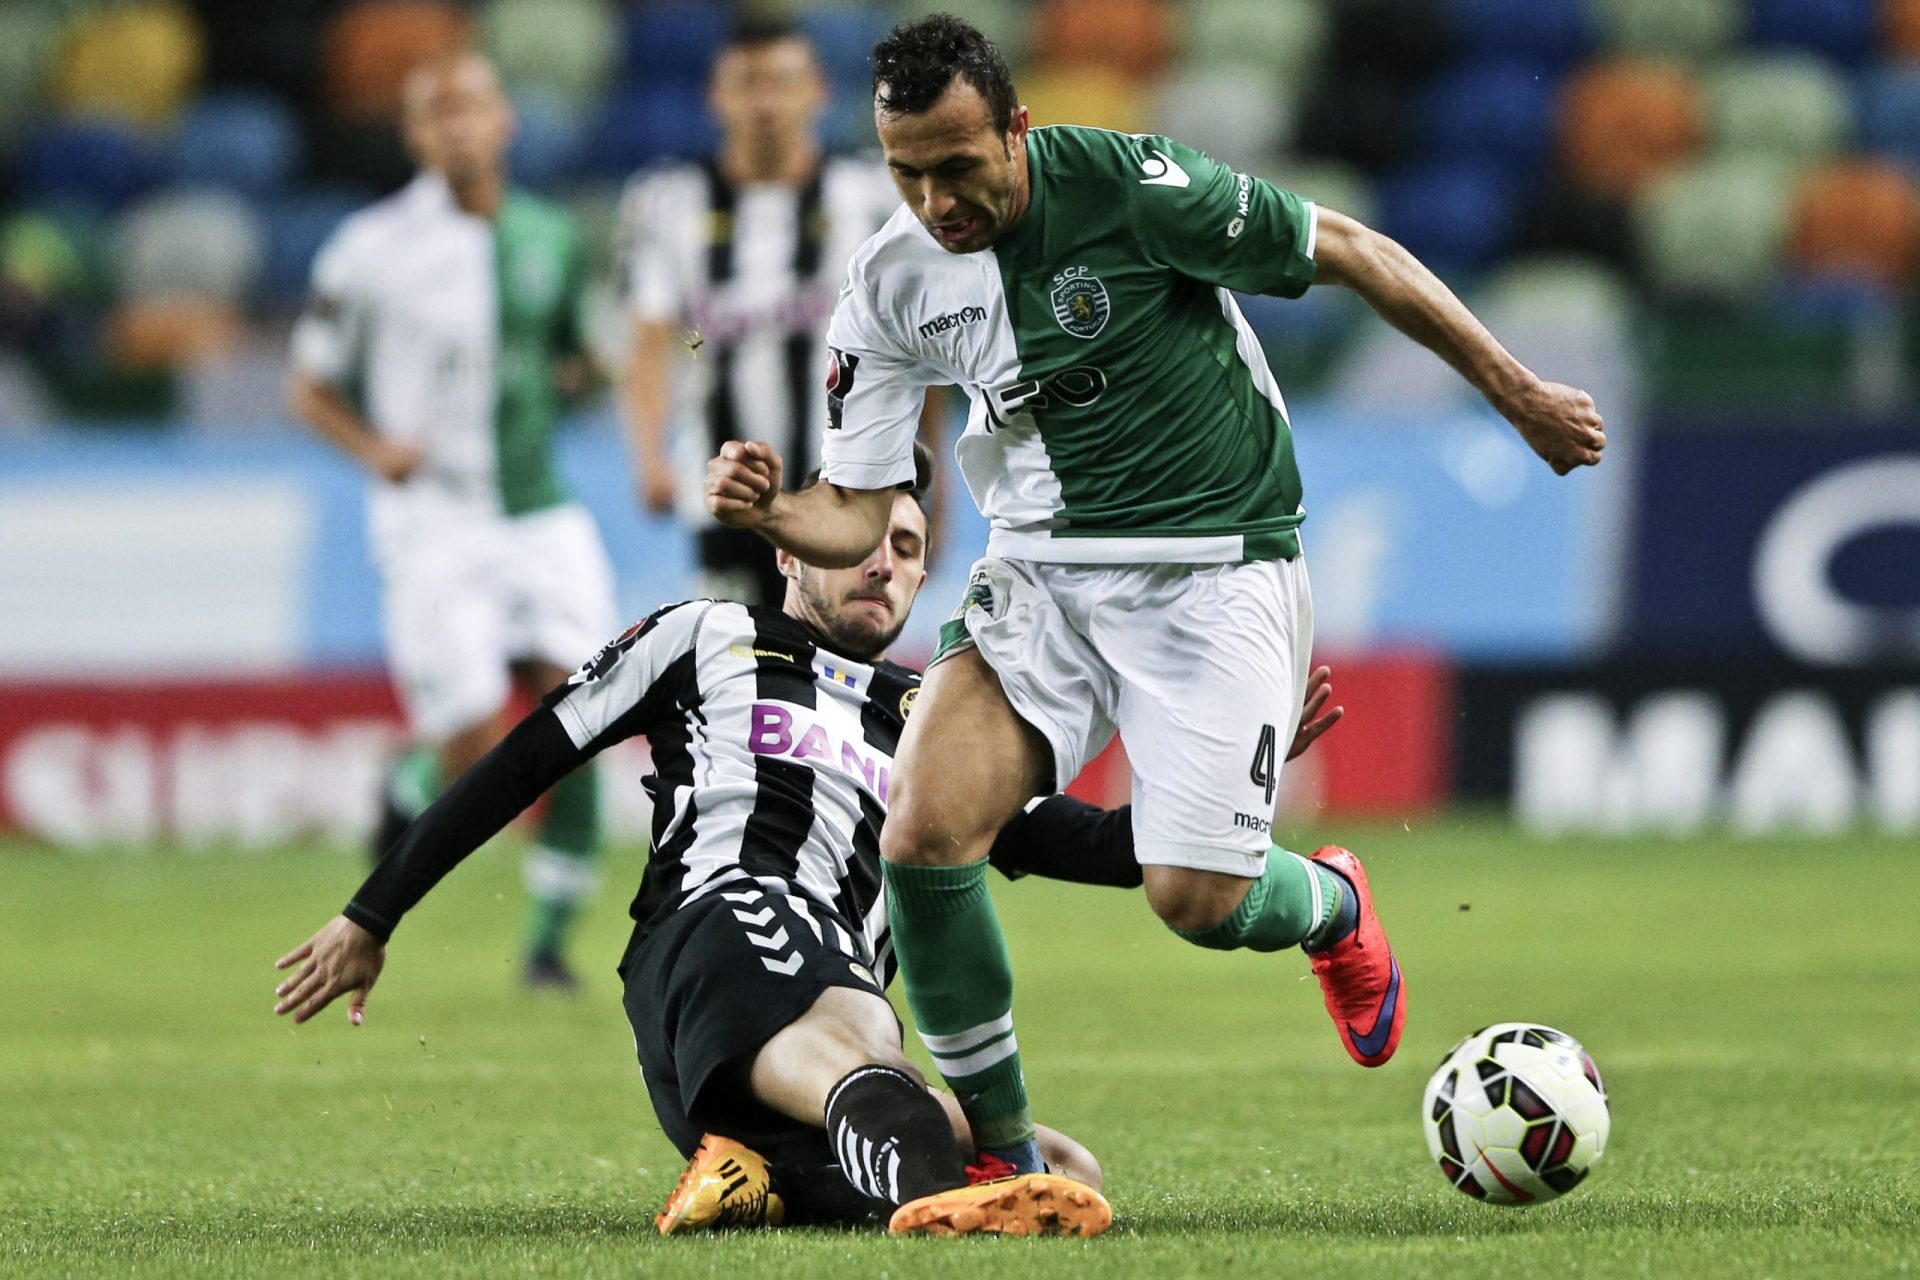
(468, 598)
(1201, 669)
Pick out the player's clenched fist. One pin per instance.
(1560, 423)
(742, 483)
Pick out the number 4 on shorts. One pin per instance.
(1264, 773)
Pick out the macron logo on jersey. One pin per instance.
(1161, 171)
(952, 320)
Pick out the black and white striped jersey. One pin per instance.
(771, 758)
(753, 269)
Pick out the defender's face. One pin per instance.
(767, 94)
(862, 609)
(458, 122)
(964, 179)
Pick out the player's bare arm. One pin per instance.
(322, 407)
(1560, 423)
(648, 386)
(341, 958)
(824, 525)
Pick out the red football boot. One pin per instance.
(1359, 976)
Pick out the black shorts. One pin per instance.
(705, 988)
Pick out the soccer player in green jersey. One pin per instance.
(443, 322)
(1133, 455)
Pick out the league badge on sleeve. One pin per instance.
(841, 366)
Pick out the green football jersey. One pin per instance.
(1122, 410)
(445, 328)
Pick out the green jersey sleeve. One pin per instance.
(1230, 229)
(570, 324)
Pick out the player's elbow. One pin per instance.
(1350, 253)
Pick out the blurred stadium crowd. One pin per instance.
(1726, 192)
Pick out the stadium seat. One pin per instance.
(1688, 29)
(1561, 219)
(1451, 216)
(568, 48)
(42, 255)
(1716, 230)
(844, 40)
(205, 243)
(671, 42)
(1399, 39)
(1843, 30)
(1496, 113)
(1788, 106)
(1286, 38)
(1623, 123)
(296, 226)
(249, 142)
(138, 62)
(1132, 37)
(28, 37)
(1857, 219)
(1239, 114)
(99, 164)
(1900, 24)
(640, 126)
(1889, 105)
(166, 333)
(1366, 118)
(1091, 95)
(548, 142)
(371, 45)
(1553, 32)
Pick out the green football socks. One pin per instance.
(560, 871)
(1294, 901)
(960, 987)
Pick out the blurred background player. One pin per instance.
(734, 266)
(443, 324)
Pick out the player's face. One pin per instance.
(963, 178)
(458, 122)
(862, 609)
(767, 96)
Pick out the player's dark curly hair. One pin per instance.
(916, 61)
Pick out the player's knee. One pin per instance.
(1189, 900)
(918, 834)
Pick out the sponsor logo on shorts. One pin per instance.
(952, 320)
(1252, 822)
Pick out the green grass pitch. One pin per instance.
(1753, 1005)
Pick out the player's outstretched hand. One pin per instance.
(742, 483)
(341, 958)
(1316, 717)
(1560, 423)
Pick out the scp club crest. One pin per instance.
(1080, 303)
(841, 366)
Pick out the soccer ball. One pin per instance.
(1516, 1114)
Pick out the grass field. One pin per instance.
(1755, 1006)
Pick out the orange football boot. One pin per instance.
(1359, 976)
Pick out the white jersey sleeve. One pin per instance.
(656, 273)
(330, 337)
(876, 385)
(633, 681)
